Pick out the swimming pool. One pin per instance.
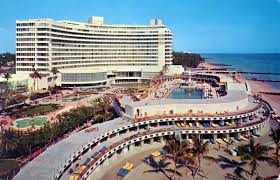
(185, 93)
(30, 122)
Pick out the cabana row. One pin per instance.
(89, 161)
(146, 117)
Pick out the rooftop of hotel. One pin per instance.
(99, 22)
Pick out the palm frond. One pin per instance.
(173, 171)
(210, 158)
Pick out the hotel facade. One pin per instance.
(93, 53)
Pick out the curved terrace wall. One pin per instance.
(232, 102)
(148, 135)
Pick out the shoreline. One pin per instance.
(256, 87)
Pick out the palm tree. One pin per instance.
(7, 76)
(255, 153)
(275, 135)
(200, 151)
(160, 166)
(35, 76)
(102, 106)
(9, 140)
(176, 152)
(226, 163)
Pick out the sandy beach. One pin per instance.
(212, 170)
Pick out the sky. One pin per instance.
(201, 26)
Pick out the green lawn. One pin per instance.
(6, 165)
(38, 110)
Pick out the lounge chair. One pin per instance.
(130, 166)
(183, 124)
(156, 154)
(80, 171)
(226, 140)
(218, 141)
(212, 141)
(178, 124)
(163, 152)
(255, 134)
(237, 139)
(73, 177)
(126, 165)
(86, 162)
(122, 172)
(214, 125)
(95, 154)
(230, 124)
(103, 149)
(243, 138)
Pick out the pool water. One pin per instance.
(186, 93)
(29, 122)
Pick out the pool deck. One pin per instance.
(230, 97)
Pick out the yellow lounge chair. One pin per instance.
(226, 140)
(218, 141)
(190, 124)
(126, 165)
(79, 171)
(130, 166)
(73, 177)
(178, 124)
(243, 138)
(156, 154)
(213, 125)
(230, 124)
(183, 124)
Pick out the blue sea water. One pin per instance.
(267, 63)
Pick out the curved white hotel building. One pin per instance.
(93, 53)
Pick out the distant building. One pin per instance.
(92, 54)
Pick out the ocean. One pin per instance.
(264, 63)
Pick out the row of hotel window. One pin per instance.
(81, 62)
(97, 40)
(89, 50)
(95, 55)
(41, 35)
(91, 46)
(81, 66)
(47, 32)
